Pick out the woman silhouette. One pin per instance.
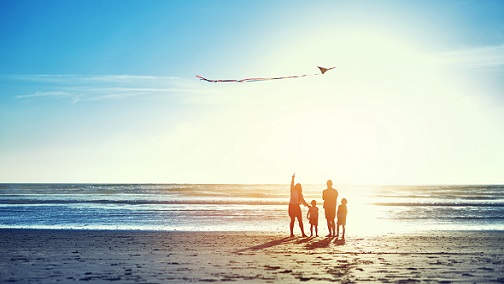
(296, 197)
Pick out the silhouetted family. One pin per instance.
(330, 197)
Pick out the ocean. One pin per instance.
(239, 207)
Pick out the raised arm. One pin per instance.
(292, 182)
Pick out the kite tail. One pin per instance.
(214, 81)
(204, 79)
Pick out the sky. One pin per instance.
(106, 92)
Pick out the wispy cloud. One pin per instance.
(77, 88)
(489, 56)
(43, 94)
(73, 78)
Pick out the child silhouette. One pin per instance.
(342, 213)
(313, 217)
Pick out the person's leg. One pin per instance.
(333, 227)
(292, 226)
(337, 231)
(300, 219)
(316, 231)
(329, 227)
(343, 228)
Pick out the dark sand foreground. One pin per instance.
(66, 256)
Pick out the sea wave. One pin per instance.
(142, 202)
(475, 203)
(235, 207)
(27, 200)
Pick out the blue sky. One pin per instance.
(105, 91)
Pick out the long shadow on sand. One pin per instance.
(339, 242)
(320, 244)
(268, 244)
(310, 244)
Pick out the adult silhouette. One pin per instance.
(296, 198)
(330, 196)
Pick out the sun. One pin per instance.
(367, 120)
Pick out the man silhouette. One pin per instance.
(330, 196)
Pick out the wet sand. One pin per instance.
(66, 256)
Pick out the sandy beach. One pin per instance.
(49, 256)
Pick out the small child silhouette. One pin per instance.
(313, 217)
(342, 213)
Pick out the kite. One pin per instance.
(322, 71)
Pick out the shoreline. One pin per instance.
(408, 232)
(61, 255)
